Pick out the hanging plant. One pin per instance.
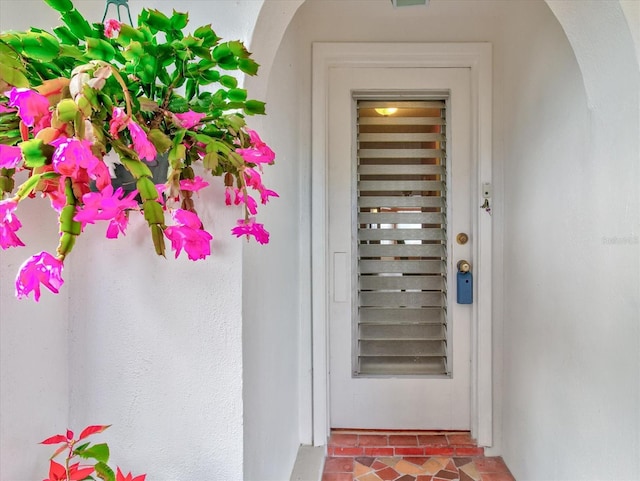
(87, 100)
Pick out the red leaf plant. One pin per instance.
(97, 456)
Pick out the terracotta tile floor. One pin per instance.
(409, 456)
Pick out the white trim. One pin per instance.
(477, 57)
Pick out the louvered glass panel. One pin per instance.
(401, 322)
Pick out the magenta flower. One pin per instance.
(251, 228)
(266, 193)
(193, 185)
(107, 205)
(228, 191)
(189, 235)
(72, 156)
(141, 143)
(259, 152)
(112, 28)
(189, 119)
(249, 202)
(10, 156)
(4, 109)
(9, 224)
(43, 269)
(118, 121)
(252, 178)
(32, 106)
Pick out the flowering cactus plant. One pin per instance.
(88, 100)
(96, 456)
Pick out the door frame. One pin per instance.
(478, 58)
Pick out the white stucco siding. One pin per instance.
(34, 400)
(273, 295)
(156, 350)
(571, 233)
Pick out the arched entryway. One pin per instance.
(565, 104)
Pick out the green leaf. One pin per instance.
(153, 212)
(178, 104)
(31, 183)
(65, 35)
(177, 155)
(237, 95)
(80, 448)
(222, 52)
(99, 452)
(253, 107)
(129, 34)
(191, 89)
(12, 76)
(161, 142)
(40, 46)
(238, 49)
(207, 34)
(210, 161)
(77, 24)
(98, 49)
(155, 19)
(179, 20)
(248, 66)
(104, 472)
(137, 168)
(60, 5)
(210, 76)
(33, 152)
(71, 51)
(228, 81)
(228, 63)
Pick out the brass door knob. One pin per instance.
(464, 266)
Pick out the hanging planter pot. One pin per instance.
(162, 98)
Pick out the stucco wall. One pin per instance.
(273, 296)
(572, 366)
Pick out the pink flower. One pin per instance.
(74, 158)
(251, 228)
(259, 152)
(252, 178)
(118, 121)
(107, 205)
(32, 107)
(9, 224)
(266, 193)
(10, 156)
(193, 185)
(228, 191)
(141, 144)
(112, 28)
(189, 235)
(189, 119)
(4, 109)
(249, 202)
(43, 269)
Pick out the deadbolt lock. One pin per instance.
(462, 238)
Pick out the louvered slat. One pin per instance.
(401, 236)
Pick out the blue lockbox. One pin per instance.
(465, 288)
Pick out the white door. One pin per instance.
(392, 363)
